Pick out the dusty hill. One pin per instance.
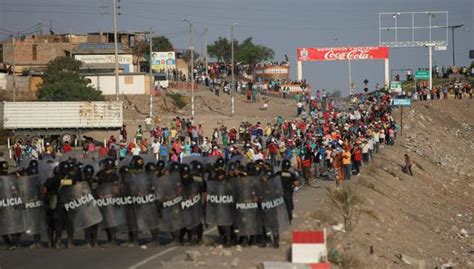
(427, 219)
(210, 110)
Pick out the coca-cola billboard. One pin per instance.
(342, 53)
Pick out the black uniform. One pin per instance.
(288, 181)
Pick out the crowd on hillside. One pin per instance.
(323, 139)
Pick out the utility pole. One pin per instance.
(205, 51)
(192, 64)
(151, 75)
(452, 28)
(14, 69)
(232, 86)
(117, 87)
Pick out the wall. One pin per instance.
(128, 83)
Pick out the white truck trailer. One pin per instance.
(67, 120)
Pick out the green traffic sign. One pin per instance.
(422, 75)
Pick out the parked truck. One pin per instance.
(64, 120)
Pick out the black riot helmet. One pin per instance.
(32, 170)
(150, 167)
(160, 165)
(184, 170)
(3, 168)
(286, 164)
(88, 171)
(124, 170)
(33, 163)
(232, 166)
(64, 167)
(108, 163)
(137, 163)
(250, 169)
(174, 167)
(219, 162)
(197, 167)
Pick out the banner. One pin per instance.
(162, 61)
(342, 53)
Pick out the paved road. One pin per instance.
(81, 256)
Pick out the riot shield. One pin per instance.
(79, 204)
(46, 169)
(189, 159)
(168, 189)
(109, 200)
(274, 213)
(220, 206)
(71, 155)
(125, 161)
(239, 158)
(31, 194)
(148, 158)
(248, 217)
(11, 206)
(144, 207)
(192, 206)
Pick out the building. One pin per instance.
(33, 52)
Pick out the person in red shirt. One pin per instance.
(67, 147)
(103, 152)
(357, 153)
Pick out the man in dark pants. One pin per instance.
(289, 181)
(90, 233)
(64, 179)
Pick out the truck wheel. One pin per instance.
(67, 137)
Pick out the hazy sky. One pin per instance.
(282, 25)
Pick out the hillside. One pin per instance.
(427, 217)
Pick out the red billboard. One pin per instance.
(342, 53)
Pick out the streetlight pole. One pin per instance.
(430, 62)
(395, 16)
(14, 69)
(452, 28)
(205, 52)
(114, 12)
(192, 64)
(232, 112)
(151, 74)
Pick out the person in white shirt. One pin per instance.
(155, 147)
(135, 150)
(257, 154)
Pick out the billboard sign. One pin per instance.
(162, 61)
(342, 53)
(395, 87)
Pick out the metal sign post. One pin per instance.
(401, 102)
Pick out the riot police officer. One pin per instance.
(197, 173)
(67, 177)
(289, 181)
(90, 233)
(136, 166)
(11, 240)
(108, 175)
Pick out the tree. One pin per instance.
(159, 43)
(221, 49)
(246, 52)
(63, 82)
(251, 54)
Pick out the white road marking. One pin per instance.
(147, 260)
